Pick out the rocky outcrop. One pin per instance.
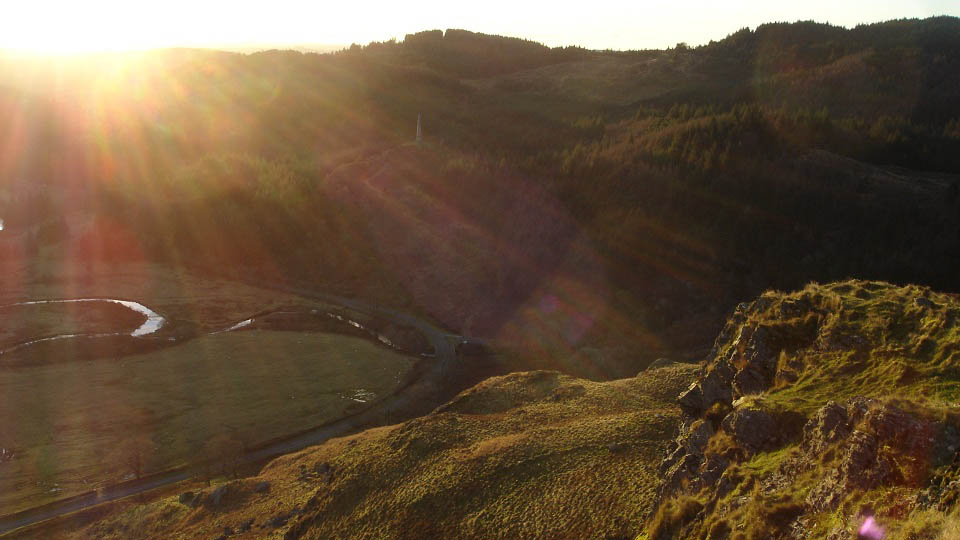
(713, 388)
(746, 361)
(865, 444)
(844, 448)
(684, 461)
(853, 448)
(829, 425)
(693, 465)
(746, 358)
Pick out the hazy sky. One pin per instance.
(83, 25)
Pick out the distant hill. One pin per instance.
(319, 48)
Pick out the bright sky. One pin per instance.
(95, 25)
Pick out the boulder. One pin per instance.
(187, 498)
(618, 447)
(753, 430)
(749, 381)
(899, 429)
(216, 498)
(691, 400)
(323, 471)
(710, 472)
(261, 487)
(679, 475)
(713, 387)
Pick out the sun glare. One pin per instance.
(78, 28)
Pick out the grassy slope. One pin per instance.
(524, 455)
(62, 419)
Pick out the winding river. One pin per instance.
(152, 324)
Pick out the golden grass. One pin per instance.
(521, 456)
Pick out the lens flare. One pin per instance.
(870, 530)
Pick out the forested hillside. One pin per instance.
(604, 202)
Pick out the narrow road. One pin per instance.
(420, 391)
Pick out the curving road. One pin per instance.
(419, 392)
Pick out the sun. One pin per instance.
(65, 28)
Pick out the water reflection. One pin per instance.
(379, 337)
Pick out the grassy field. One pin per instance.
(526, 455)
(67, 424)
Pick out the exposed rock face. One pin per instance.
(689, 467)
(828, 425)
(745, 362)
(859, 435)
(713, 388)
(684, 461)
(852, 443)
(745, 359)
